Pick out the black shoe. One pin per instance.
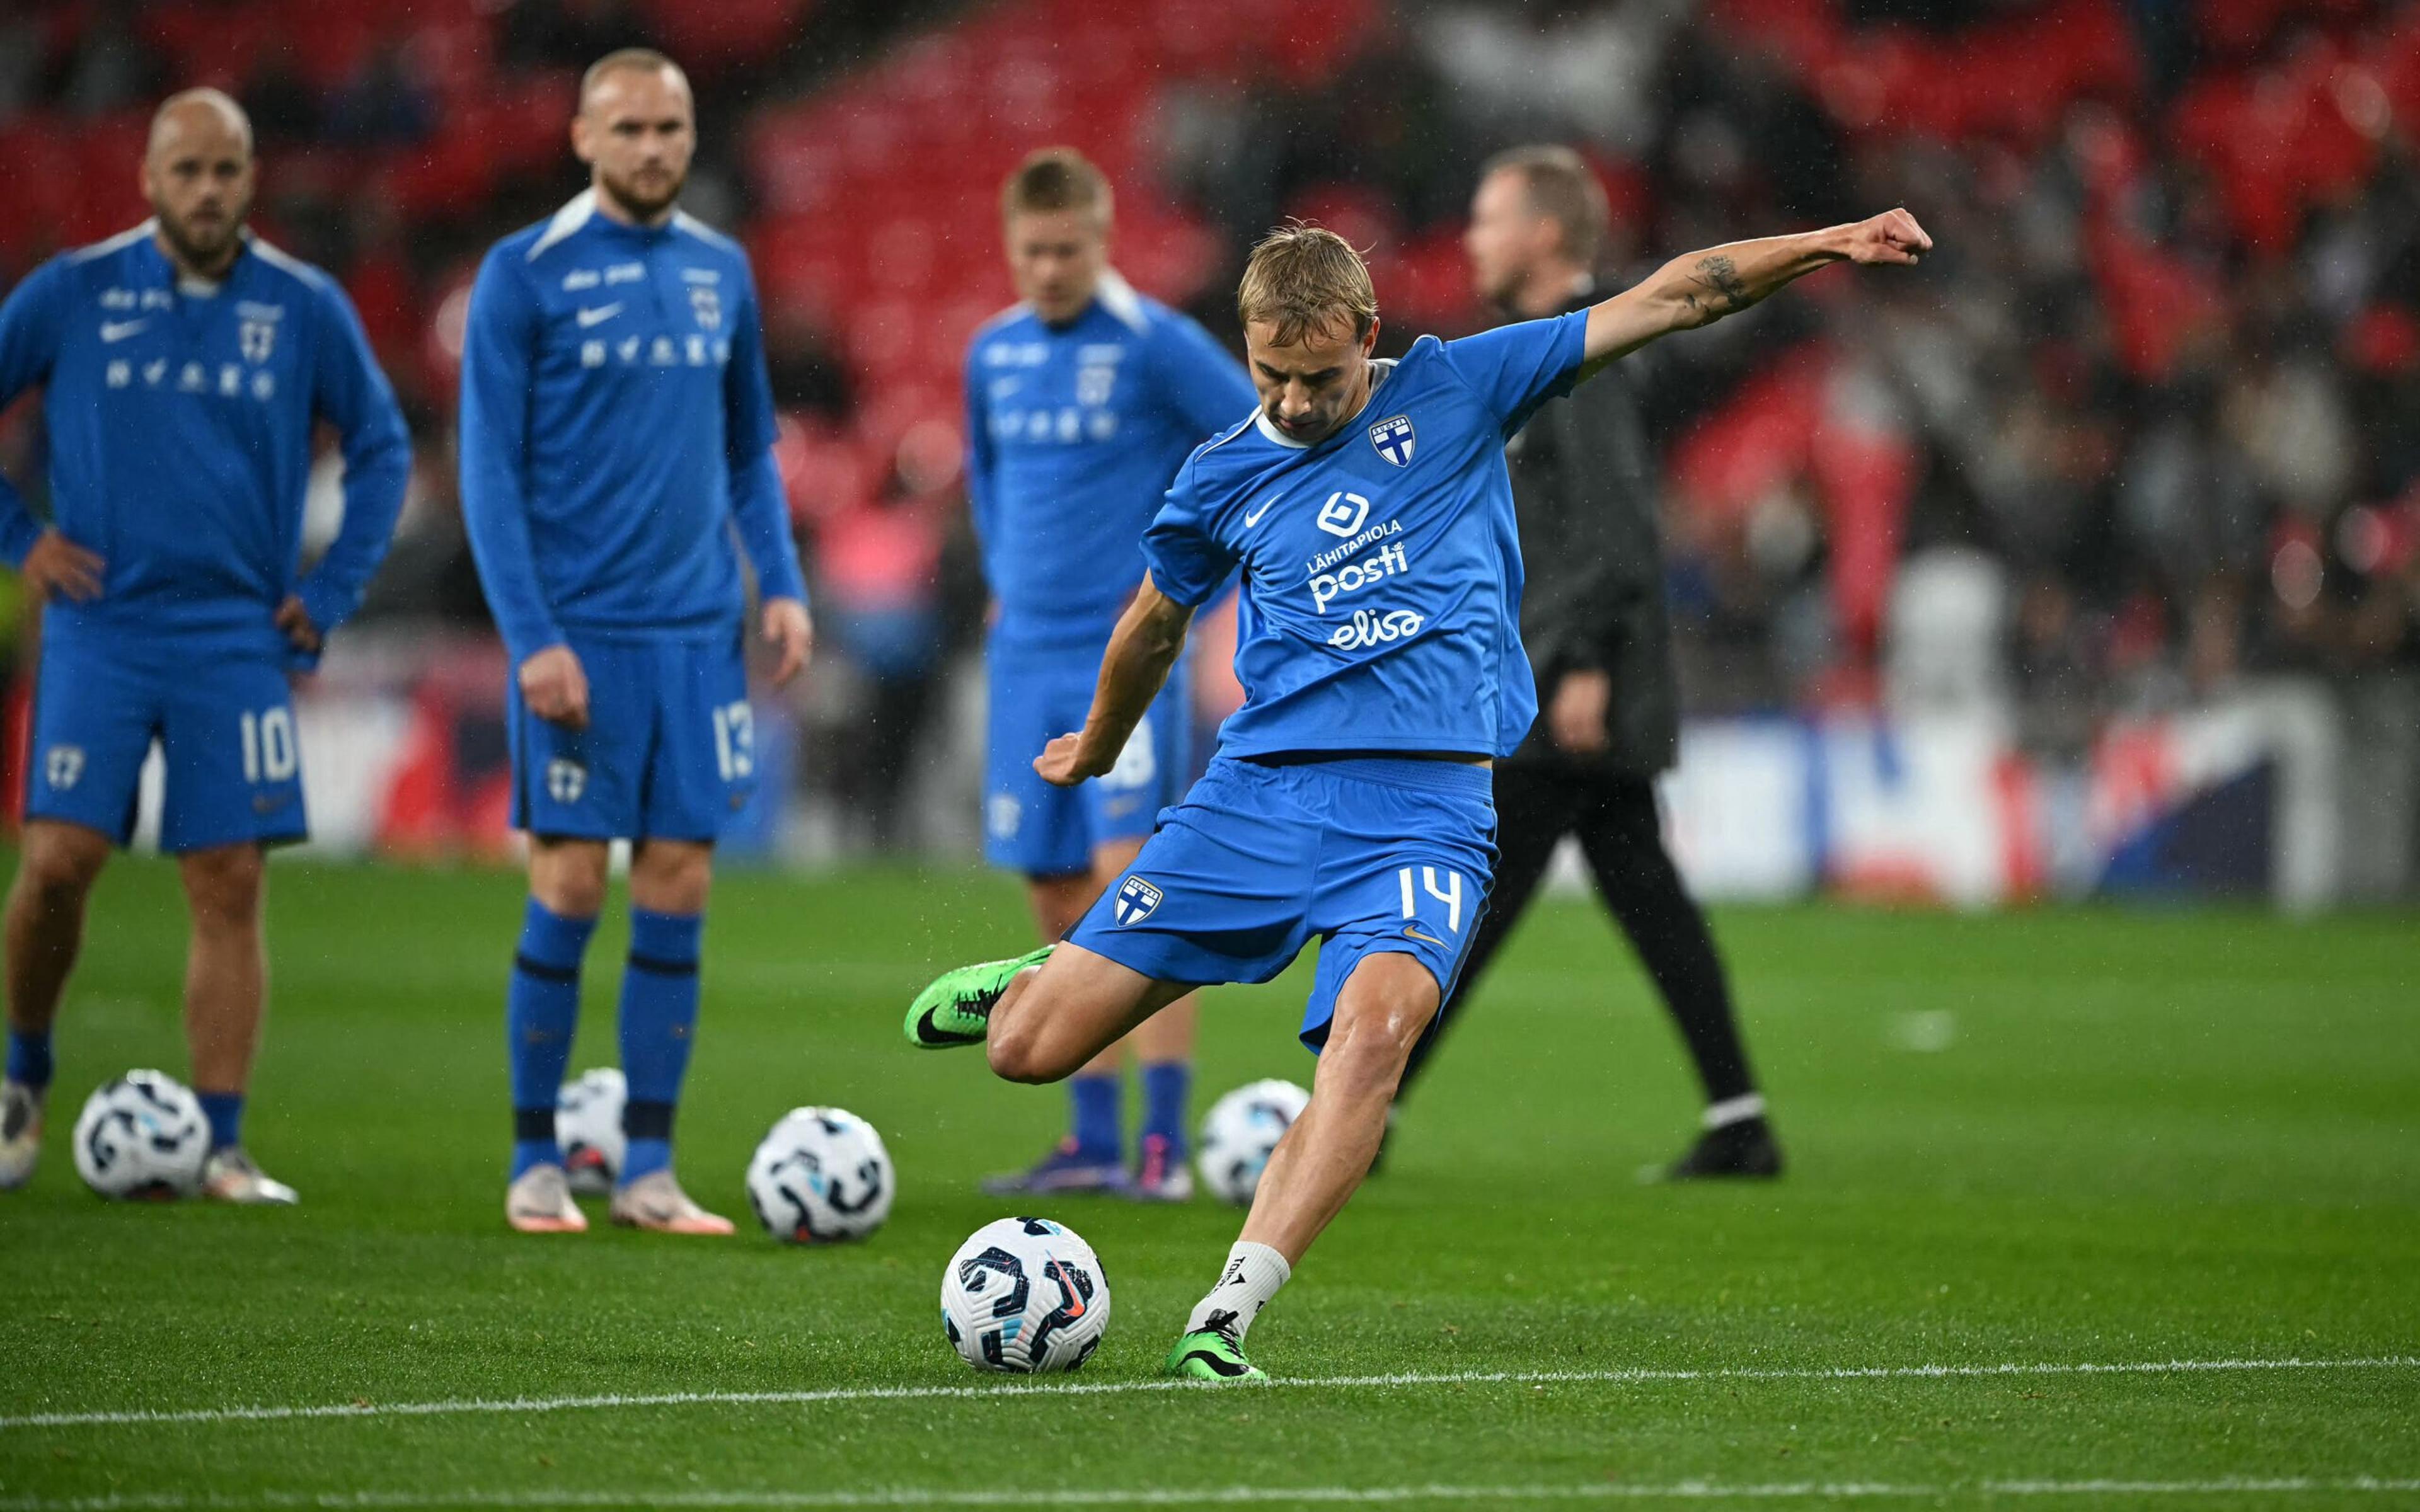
(1743, 1149)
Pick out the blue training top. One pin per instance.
(1073, 433)
(1382, 568)
(179, 416)
(616, 423)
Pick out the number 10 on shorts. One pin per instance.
(269, 752)
(1449, 895)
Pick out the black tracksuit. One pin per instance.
(1583, 489)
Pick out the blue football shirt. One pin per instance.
(1073, 433)
(616, 432)
(1382, 566)
(181, 419)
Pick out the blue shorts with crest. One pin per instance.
(1364, 853)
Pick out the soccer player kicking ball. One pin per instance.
(616, 425)
(184, 365)
(1368, 506)
(1081, 403)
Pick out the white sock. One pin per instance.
(1254, 1274)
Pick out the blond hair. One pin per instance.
(1306, 280)
(1055, 179)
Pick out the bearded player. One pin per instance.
(1367, 505)
(616, 431)
(184, 366)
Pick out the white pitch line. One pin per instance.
(1119, 1388)
(1687, 1491)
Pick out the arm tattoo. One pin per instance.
(1719, 277)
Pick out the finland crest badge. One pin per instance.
(1136, 901)
(1394, 438)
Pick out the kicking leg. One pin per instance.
(45, 930)
(226, 981)
(1053, 1017)
(1080, 1004)
(1381, 1012)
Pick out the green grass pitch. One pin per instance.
(2040, 1141)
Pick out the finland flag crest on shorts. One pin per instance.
(1136, 901)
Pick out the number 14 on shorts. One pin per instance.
(1447, 892)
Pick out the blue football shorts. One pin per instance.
(1042, 830)
(225, 723)
(1365, 853)
(669, 751)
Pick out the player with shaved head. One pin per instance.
(617, 426)
(1367, 507)
(183, 364)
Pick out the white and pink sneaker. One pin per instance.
(656, 1201)
(540, 1203)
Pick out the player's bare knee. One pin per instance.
(568, 877)
(224, 885)
(1365, 1059)
(1018, 1055)
(56, 873)
(1017, 1047)
(1385, 1009)
(669, 877)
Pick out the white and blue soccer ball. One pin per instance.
(143, 1138)
(588, 1126)
(1025, 1295)
(821, 1175)
(1241, 1132)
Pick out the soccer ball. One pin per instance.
(143, 1138)
(1025, 1295)
(1242, 1129)
(820, 1175)
(588, 1126)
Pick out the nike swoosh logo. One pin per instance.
(1254, 517)
(604, 312)
(1414, 930)
(1075, 1298)
(934, 1035)
(119, 329)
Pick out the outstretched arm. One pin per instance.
(1148, 636)
(1699, 288)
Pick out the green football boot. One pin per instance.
(1213, 1354)
(955, 1009)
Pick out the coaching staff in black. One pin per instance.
(1595, 621)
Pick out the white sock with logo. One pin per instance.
(1254, 1274)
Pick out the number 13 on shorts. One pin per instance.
(1441, 884)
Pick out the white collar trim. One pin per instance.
(573, 215)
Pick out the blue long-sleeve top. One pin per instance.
(617, 426)
(1072, 433)
(179, 418)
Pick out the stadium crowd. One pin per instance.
(2141, 431)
